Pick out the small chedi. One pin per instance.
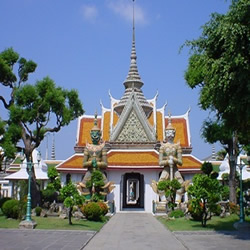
(95, 182)
(170, 156)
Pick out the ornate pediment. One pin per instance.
(133, 130)
(133, 125)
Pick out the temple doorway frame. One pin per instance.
(133, 191)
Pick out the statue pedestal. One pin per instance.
(27, 224)
(160, 207)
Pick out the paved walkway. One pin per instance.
(141, 231)
(134, 231)
(16, 239)
(130, 231)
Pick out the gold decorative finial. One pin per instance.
(170, 127)
(95, 123)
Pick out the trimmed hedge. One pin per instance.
(11, 209)
(3, 200)
(92, 211)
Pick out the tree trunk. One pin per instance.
(232, 173)
(70, 215)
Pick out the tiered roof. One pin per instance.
(132, 128)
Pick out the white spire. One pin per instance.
(53, 153)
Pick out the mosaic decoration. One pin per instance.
(133, 130)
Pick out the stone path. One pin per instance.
(43, 239)
(130, 231)
(207, 240)
(134, 231)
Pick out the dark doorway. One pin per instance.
(133, 190)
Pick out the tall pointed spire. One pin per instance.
(53, 150)
(133, 82)
(133, 78)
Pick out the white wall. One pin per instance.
(149, 195)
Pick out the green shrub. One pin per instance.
(2, 200)
(49, 194)
(22, 208)
(177, 213)
(162, 185)
(103, 207)
(225, 193)
(10, 209)
(247, 211)
(195, 213)
(97, 197)
(207, 168)
(92, 211)
(233, 208)
(38, 211)
(217, 210)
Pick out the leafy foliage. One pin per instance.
(38, 211)
(32, 107)
(103, 207)
(54, 178)
(205, 193)
(176, 213)
(170, 188)
(207, 168)
(71, 197)
(49, 194)
(92, 211)
(3, 200)
(220, 64)
(10, 209)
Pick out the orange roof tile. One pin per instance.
(120, 158)
(188, 161)
(181, 130)
(76, 161)
(125, 158)
(106, 123)
(86, 124)
(115, 118)
(159, 127)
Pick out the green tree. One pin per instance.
(95, 185)
(207, 168)
(217, 131)
(71, 198)
(205, 193)
(34, 110)
(50, 193)
(54, 178)
(220, 65)
(170, 188)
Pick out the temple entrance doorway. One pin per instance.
(133, 190)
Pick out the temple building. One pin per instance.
(133, 128)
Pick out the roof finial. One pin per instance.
(170, 126)
(133, 75)
(133, 20)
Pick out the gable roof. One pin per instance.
(133, 105)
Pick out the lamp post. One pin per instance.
(241, 224)
(28, 223)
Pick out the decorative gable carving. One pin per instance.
(133, 120)
(133, 130)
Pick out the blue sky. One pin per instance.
(86, 44)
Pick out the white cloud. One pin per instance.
(124, 9)
(89, 12)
